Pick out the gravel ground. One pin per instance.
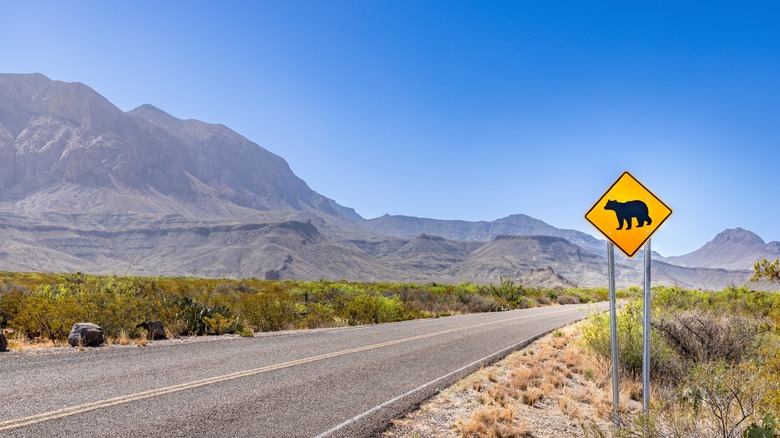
(577, 405)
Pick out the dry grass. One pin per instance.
(555, 377)
(524, 378)
(568, 407)
(631, 390)
(549, 389)
(123, 339)
(14, 345)
(573, 359)
(18, 345)
(495, 422)
(531, 396)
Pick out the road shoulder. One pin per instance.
(548, 389)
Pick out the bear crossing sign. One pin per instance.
(628, 214)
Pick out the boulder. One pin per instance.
(3, 342)
(85, 333)
(154, 329)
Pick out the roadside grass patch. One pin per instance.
(541, 391)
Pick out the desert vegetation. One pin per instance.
(715, 372)
(715, 360)
(38, 306)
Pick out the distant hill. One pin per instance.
(176, 246)
(514, 225)
(734, 248)
(516, 256)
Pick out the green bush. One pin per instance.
(201, 320)
(596, 337)
(47, 312)
(372, 309)
(267, 312)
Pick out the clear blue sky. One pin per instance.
(455, 110)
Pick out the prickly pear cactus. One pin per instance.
(766, 430)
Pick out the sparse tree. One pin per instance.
(731, 393)
(765, 271)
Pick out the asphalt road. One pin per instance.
(346, 382)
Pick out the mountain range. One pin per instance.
(87, 187)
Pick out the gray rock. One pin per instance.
(86, 334)
(155, 329)
(3, 342)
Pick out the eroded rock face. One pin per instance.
(86, 334)
(58, 139)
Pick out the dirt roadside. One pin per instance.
(549, 389)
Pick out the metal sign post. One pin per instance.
(613, 332)
(627, 214)
(646, 335)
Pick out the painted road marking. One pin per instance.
(484, 360)
(78, 409)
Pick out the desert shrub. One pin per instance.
(267, 312)
(568, 299)
(117, 305)
(677, 298)
(701, 336)
(192, 313)
(372, 309)
(433, 300)
(512, 294)
(315, 315)
(48, 312)
(11, 298)
(724, 396)
(199, 319)
(218, 324)
(596, 338)
(769, 357)
(599, 294)
(715, 361)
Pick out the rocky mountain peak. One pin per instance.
(734, 248)
(152, 113)
(65, 148)
(738, 236)
(35, 95)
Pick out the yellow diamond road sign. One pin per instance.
(628, 214)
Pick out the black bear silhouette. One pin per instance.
(627, 211)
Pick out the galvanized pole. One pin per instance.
(646, 336)
(613, 332)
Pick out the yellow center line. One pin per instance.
(73, 410)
